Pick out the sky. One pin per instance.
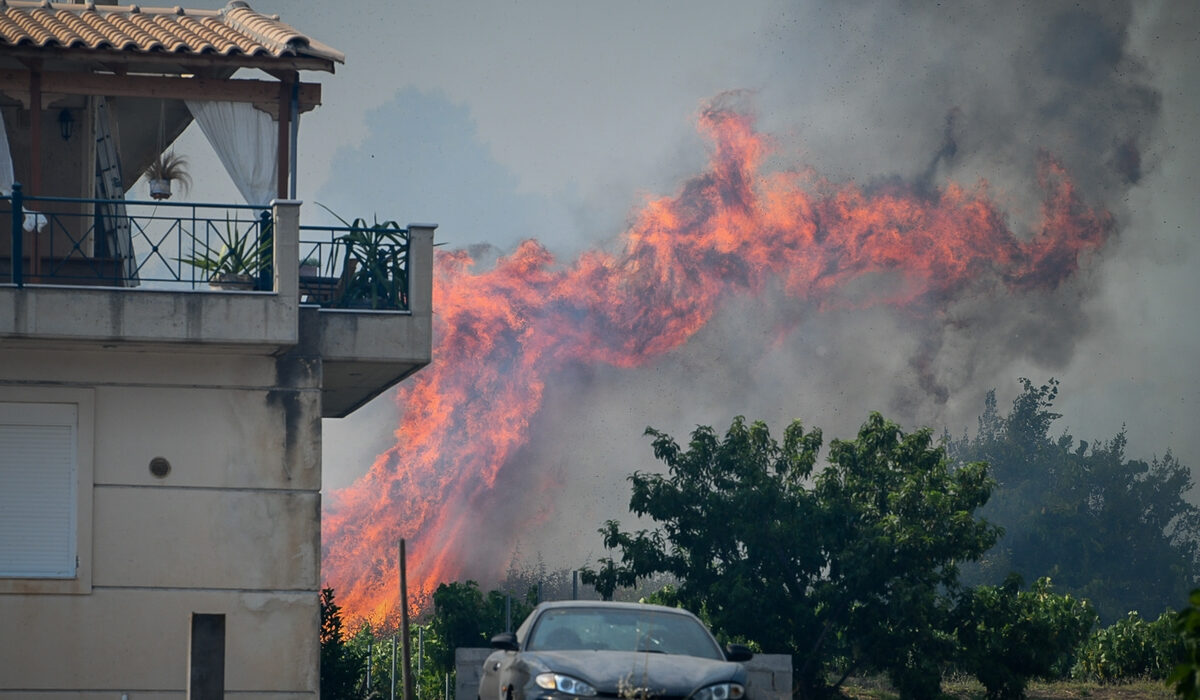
(557, 121)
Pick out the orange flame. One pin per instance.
(501, 332)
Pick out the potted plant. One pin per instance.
(310, 266)
(380, 272)
(167, 167)
(375, 264)
(236, 260)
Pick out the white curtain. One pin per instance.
(6, 164)
(33, 221)
(247, 142)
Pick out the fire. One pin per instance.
(501, 332)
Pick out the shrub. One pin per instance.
(1130, 649)
(1008, 636)
(1186, 676)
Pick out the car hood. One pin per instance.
(660, 674)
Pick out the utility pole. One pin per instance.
(408, 679)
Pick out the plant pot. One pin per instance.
(160, 189)
(309, 271)
(229, 280)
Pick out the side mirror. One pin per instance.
(733, 652)
(505, 640)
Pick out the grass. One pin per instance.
(970, 689)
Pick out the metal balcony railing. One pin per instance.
(194, 246)
(128, 243)
(355, 266)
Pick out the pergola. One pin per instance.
(149, 61)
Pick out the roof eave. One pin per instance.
(160, 62)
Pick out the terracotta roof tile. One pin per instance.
(232, 31)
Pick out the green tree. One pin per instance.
(1007, 636)
(1116, 531)
(1186, 676)
(464, 617)
(341, 668)
(377, 646)
(856, 563)
(609, 575)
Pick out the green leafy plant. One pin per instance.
(1130, 649)
(236, 254)
(1185, 678)
(1007, 636)
(375, 262)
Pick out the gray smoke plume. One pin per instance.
(920, 94)
(916, 95)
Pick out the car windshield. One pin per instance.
(622, 630)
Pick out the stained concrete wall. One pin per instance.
(232, 529)
(224, 388)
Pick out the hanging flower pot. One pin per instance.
(167, 167)
(160, 189)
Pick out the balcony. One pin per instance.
(219, 278)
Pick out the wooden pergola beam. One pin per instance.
(17, 83)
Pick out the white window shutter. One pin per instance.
(38, 482)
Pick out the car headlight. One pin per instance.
(566, 684)
(720, 691)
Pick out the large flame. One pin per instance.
(501, 332)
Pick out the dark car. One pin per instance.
(570, 649)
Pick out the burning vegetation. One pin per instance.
(736, 229)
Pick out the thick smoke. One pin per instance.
(903, 99)
(910, 97)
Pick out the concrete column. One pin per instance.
(420, 269)
(287, 249)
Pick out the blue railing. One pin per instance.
(129, 243)
(187, 246)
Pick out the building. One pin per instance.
(160, 434)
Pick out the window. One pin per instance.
(37, 490)
(45, 490)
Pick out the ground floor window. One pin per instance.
(45, 484)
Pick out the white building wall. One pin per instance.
(233, 528)
(230, 389)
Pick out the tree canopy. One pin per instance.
(463, 616)
(852, 567)
(1114, 530)
(340, 667)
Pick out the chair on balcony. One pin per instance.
(326, 291)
